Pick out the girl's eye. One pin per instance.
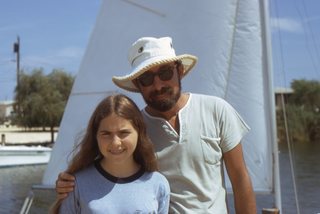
(124, 134)
(105, 134)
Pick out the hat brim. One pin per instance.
(126, 82)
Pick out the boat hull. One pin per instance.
(23, 155)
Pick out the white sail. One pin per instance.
(229, 37)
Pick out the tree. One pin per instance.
(303, 111)
(306, 97)
(306, 94)
(42, 98)
(2, 114)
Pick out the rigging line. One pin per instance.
(291, 153)
(282, 64)
(304, 27)
(284, 108)
(315, 42)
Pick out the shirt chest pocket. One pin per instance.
(211, 150)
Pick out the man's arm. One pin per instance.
(64, 185)
(244, 197)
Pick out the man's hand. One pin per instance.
(64, 185)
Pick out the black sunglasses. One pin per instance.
(164, 74)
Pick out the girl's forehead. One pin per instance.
(114, 122)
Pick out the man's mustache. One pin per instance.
(163, 90)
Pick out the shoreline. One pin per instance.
(13, 136)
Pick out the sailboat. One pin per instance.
(231, 39)
(23, 155)
(15, 149)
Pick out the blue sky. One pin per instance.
(54, 34)
(295, 40)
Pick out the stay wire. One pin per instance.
(284, 109)
(306, 26)
(315, 41)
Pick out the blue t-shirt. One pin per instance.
(96, 191)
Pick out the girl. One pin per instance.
(115, 167)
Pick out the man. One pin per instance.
(193, 134)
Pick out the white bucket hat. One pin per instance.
(147, 52)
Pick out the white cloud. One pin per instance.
(68, 58)
(70, 52)
(286, 24)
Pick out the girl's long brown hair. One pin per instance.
(87, 150)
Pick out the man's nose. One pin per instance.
(157, 83)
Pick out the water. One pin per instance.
(307, 171)
(16, 182)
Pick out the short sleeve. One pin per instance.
(70, 205)
(232, 127)
(164, 196)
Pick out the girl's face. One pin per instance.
(117, 140)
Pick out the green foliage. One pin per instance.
(306, 94)
(41, 98)
(302, 111)
(61, 82)
(2, 114)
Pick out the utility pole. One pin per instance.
(16, 49)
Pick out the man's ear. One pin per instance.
(180, 69)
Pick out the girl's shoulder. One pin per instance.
(155, 174)
(157, 177)
(87, 172)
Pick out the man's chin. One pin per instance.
(161, 106)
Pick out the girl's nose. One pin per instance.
(116, 141)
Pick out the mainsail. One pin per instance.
(231, 39)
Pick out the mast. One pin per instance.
(267, 40)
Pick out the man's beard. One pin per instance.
(166, 104)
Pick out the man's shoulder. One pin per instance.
(206, 98)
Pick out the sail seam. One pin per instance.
(235, 21)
